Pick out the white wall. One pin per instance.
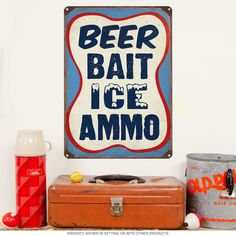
(31, 85)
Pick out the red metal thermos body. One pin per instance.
(31, 191)
(31, 179)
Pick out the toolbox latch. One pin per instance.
(116, 206)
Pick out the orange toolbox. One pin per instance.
(117, 201)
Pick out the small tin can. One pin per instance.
(211, 189)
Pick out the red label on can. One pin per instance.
(205, 183)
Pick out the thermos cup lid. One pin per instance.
(30, 142)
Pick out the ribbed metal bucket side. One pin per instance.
(206, 189)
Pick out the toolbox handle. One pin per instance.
(130, 178)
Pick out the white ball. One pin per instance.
(192, 221)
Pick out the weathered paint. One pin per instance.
(118, 82)
(206, 189)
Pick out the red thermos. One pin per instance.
(31, 178)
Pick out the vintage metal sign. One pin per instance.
(118, 82)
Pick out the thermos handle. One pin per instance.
(229, 181)
(130, 178)
(48, 146)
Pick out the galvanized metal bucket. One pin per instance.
(211, 189)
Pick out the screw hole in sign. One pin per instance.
(169, 9)
(67, 9)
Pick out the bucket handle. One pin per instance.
(229, 181)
